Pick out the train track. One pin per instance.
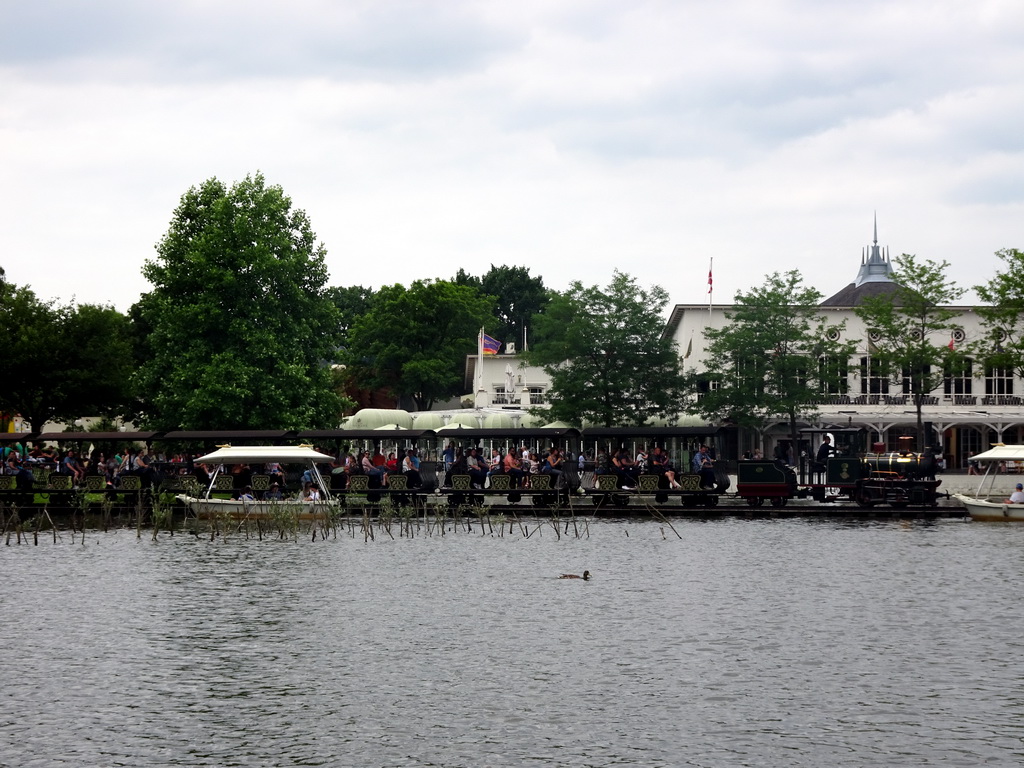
(640, 507)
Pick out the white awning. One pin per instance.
(1000, 453)
(261, 454)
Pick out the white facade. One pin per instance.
(967, 413)
(504, 381)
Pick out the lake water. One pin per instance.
(743, 643)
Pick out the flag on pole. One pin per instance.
(490, 346)
(951, 344)
(711, 263)
(689, 348)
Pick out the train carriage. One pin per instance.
(679, 443)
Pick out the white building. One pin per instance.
(504, 381)
(967, 413)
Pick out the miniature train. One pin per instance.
(897, 479)
(576, 484)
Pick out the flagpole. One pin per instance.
(479, 362)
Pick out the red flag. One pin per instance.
(709, 280)
(951, 343)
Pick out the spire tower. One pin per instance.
(875, 266)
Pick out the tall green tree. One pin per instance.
(352, 302)
(1003, 318)
(914, 326)
(774, 360)
(413, 341)
(518, 297)
(240, 328)
(61, 362)
(610, 363)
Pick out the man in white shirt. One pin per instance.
(1017, 497)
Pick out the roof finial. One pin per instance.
(876, 227)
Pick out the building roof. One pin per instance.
(874, 278)
(853, 295)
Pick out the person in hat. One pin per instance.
(1017, 497)
(274, 493)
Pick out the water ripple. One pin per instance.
(748, 643)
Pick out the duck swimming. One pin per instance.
(585, 576)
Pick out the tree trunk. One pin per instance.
(919, 403)
(794, 439)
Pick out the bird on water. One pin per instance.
(585, 576)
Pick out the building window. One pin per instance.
(833, 374)
(998, 381)
(909, 376)
(501, 397)
(536, 395)
(874, 376)
(750, 374)
(706, 384)
(958, 377)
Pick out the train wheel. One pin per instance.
(863, 499)
(712, 501)
(755, 501)
(779, 501)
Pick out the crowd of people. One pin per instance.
(520, 464)
(25, 462)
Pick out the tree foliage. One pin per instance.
(1003, 319)
(352, 302)
(414, 341)
(61, 362)
(518, 297)
(913, 328)
(240, 330)
(774, 359)
(610, 363)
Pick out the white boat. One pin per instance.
(207, 505)
(985, 504)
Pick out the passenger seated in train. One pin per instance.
(411, 469)
(495, 464)
(378, 477)
(625, 469)
(553, 465)
(23, 477)
(703, 466)
(660, 465)
(513, 468)
(276, 472)
(476, 469)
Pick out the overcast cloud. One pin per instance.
(571, 137)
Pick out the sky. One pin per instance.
(572, 137)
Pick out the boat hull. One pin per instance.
(239, 509)
(991, 510)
